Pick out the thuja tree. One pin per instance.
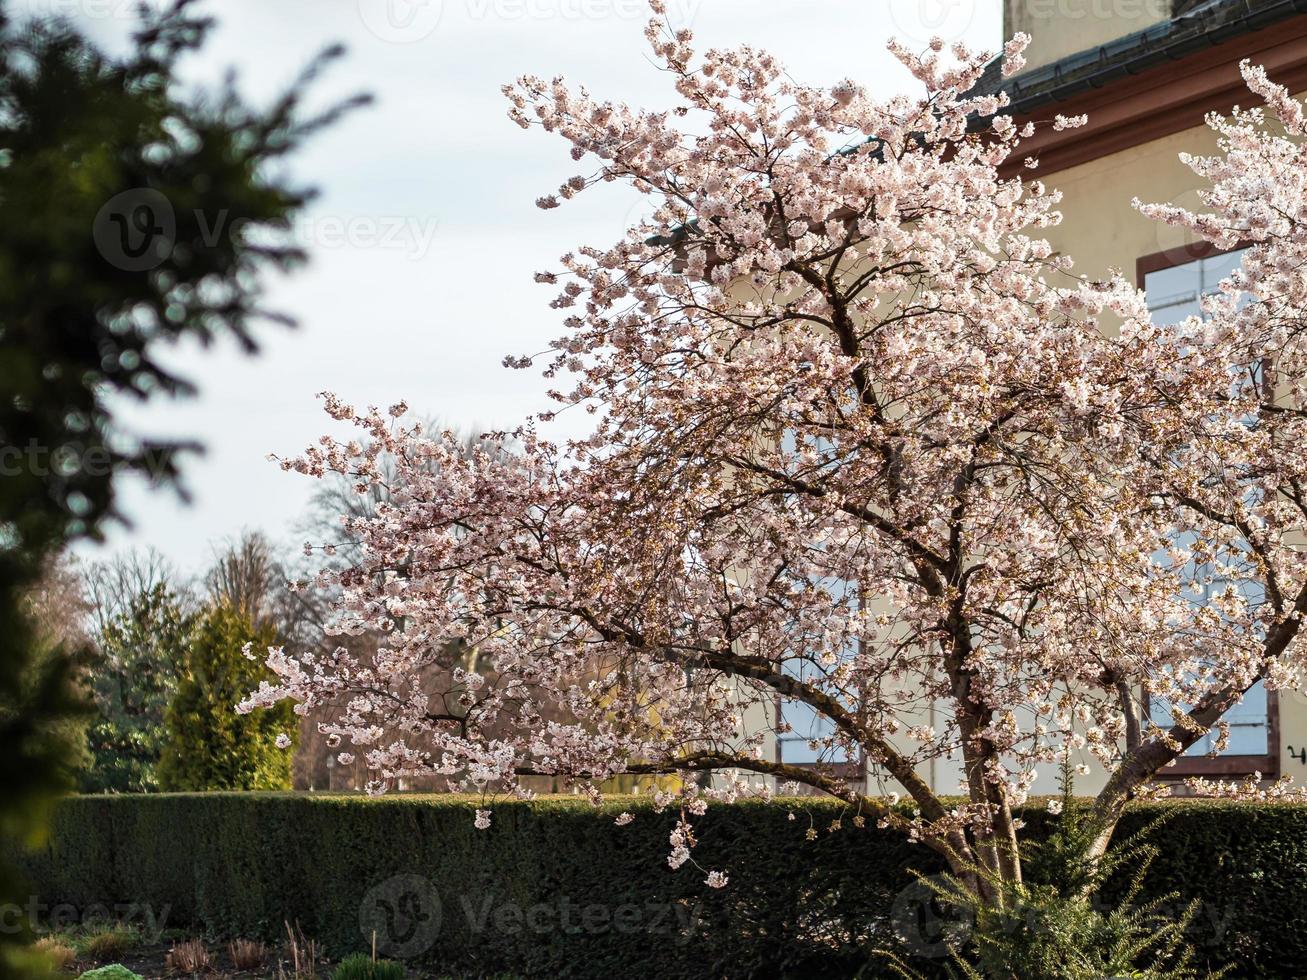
(209, 746)
(862, 442)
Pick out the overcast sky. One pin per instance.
(425, 237)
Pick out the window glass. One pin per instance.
(1173, 295)
(808, 726)
(804, 742)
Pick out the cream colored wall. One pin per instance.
(1100, 229)
(1062, 27)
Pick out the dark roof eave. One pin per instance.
(1207, 26)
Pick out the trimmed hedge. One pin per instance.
(555, 889)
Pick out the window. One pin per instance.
(804, 743)
(1173, 291)
(806, 726)
(1174, 282)
(802, 732)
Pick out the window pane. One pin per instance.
(807, 724)
(1248, 721)
(1248, 725)
(1217, 267)
(1173, 295)
(1175, 312)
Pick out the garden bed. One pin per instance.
(155, 957)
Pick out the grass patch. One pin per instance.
(60, 955)
(107, 942)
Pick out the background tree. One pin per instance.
(209, 746)
(141, 653)
(113, 183)
(334, 503)
(113, 585)
(247, 576)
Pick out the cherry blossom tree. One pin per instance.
(862, 442)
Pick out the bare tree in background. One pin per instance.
(336, 501)
(59, 607)
(59, 614)
(110, 587)
(248, 574)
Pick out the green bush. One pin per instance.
(555, 889)
(361, 966)
(1051, 924)
(115, 972)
